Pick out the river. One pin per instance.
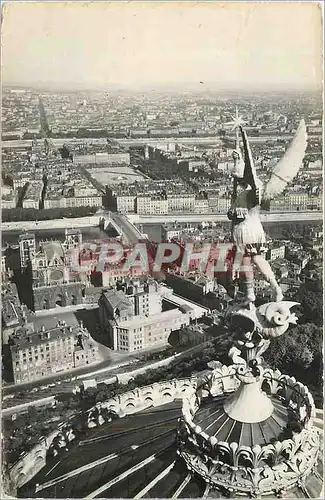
(273, 229)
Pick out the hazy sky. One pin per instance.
(134, 43)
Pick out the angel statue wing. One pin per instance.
(287, 168)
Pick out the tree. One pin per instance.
(310, 297)
(299, 353)
(7, 180)
(65, 152)
(297, 348)
(208, 354)
(66, 400)
(88, 398)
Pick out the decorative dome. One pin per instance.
(239, 430)
(137, 455)
(249, 458)
(247, 430)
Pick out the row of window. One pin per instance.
(32, 373)
(36, 351)
(42, 357)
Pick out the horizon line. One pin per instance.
(199, 85)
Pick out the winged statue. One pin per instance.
(250, 195)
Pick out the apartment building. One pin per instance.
(169, 232)
(180, 202)
(139, 333)
(125, 203)
(224, 204)
(276, 252)
(85, 191)
(113, 274)
(37, 354)
(296, 201)
(56, 200)
(84, 201)
(153, 205)
(21, 179)
(213, 201)
(133, 316)
(201, 205)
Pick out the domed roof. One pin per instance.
(215, 421)
(240, 430)
(134, 457)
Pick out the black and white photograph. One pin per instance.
(162, 249)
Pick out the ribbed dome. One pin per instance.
(239, 430)
(136, 457)
(214, 421)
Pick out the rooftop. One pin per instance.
(22, 341)
(117, 299)
(138, 321)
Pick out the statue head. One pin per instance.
(239, 166)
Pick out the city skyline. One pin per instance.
(141, 45)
